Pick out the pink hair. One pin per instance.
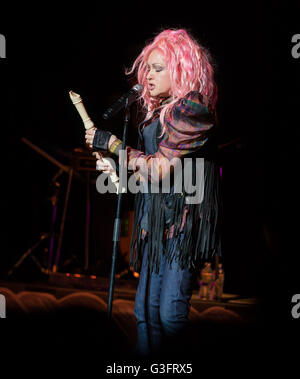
(190, 69)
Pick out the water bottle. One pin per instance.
(206, 282)
(219, 283)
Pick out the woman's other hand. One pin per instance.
(105, 166)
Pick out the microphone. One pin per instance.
(121, 102)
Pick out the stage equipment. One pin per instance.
(80, 161)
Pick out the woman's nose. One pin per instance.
(149, 75)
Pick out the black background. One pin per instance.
(51, 50)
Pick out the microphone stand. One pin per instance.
(117, 223)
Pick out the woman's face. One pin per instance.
(158, 77)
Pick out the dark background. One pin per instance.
(51, 50)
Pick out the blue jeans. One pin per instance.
(162, 304)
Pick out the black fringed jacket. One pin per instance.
(190, 132)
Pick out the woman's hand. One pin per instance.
(89, 136)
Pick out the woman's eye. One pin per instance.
(156, 69)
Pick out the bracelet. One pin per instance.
(114, 146)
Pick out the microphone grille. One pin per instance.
(138, 88)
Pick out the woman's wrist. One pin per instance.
(111, 140)
(100, 140)
(114, 145)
